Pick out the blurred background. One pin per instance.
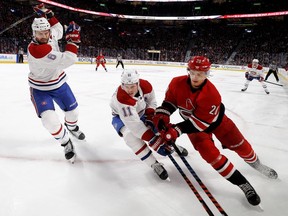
(233, 41)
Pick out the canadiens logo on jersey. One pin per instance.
(254, 73)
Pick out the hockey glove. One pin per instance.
(171, 133)
(158, 144)
(73, 33)
(41, 11)
(161, 118)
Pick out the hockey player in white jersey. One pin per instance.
(47, 79)
(255, 71)
(133, 106)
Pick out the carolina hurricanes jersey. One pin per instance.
(255, 72)
(46, 62)
(100, 59)
(131, 109)
(200, 108)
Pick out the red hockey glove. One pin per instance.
(158, 144)
(73, 33)
(172, 133)
(149, 113)
(41, 11)
(161, 118)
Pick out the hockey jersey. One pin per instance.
(201, 108)
(255, 72)
(46, 62)
(131, 109)
(100, 59)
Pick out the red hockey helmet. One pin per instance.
(199, 63)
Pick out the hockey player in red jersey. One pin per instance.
(100, 59)
(47, 79)
(133, 105)
(255, 71)
(200, 105)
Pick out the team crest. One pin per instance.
(189, 104)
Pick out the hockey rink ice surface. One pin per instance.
(107, 179)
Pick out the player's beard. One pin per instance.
(43, 40)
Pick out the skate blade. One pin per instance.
(72, 160)
(259, 208)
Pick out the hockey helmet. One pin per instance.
(255, 61)
(40, 24)
(129, 76)
(199, 63)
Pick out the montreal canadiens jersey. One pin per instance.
(46, 62)
(255, 72)
(131, 109)
(201, 107)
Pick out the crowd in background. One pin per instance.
(223, 41)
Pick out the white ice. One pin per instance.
(107, 178)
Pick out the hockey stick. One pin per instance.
(273, 83)
(213, 200)
(205, 206)
(16, 23)
(205, 189)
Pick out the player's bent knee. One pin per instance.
(50, 121)
(72, 116)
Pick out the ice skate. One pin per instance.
(265, 170)
(182, 150)
(267, 92)
(76, 132)
(160, 170)
(245, 87)
(69, 151)
(250, 194)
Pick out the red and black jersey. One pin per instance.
(201, 108)
(100, 59)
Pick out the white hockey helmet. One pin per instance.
(255, 61)
(40, 24)
(129, 76)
